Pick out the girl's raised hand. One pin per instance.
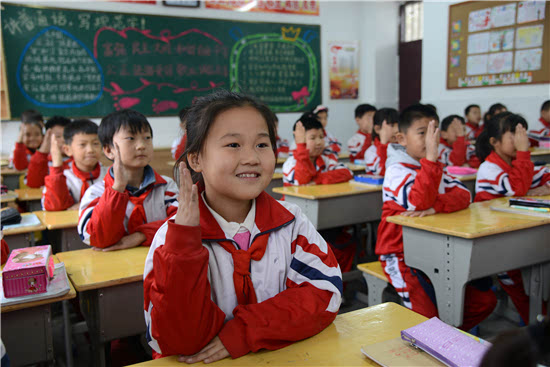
(432, 142)
(521, 141)
(300, 133)
(55, 151)
(188, 200)
(47, 142)
(385, 133)
(121, 178)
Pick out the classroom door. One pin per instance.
(410, 73)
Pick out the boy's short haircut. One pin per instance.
(362, 109)
(183, 113)
(467, 109)
(31, 116)
(57, 121)
(415, 112)
(310, 122)
(545, 106)
(446, 122)
(129, 119)
(82, 126)
(431, 106)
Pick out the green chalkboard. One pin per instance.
(85, 63)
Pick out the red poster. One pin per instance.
(268, 6)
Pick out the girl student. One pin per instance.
(385, 128)
(29, 139)
(507, 170)
(234, 270)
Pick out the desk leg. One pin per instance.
(67, 330)
(535, 280)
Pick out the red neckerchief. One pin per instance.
(444, 142)
(544, 122)
(85, 176)
(493, 157)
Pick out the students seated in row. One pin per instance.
(132, 202)
(283, 148)
(333, 146)
(544, 119)
(416, 185)
(178, 146)
(362, 139)
(65, 187)
(386, 127)
(41, 161)
(235, 271)
(29, 139)
(507, 170)
(473, 121)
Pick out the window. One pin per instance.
(412, 18)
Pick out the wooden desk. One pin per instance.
(455, 248)
(329, 206)
(27, 332)
(22, 236)
(10, 177)
(8, 198)
(470, 182)
(338, 345)
(355, 168)
(276, 181)
(31, 197)
(343, 157)
(540, 154)
(62, 229)
(110, 286)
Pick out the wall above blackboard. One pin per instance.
(86, 63)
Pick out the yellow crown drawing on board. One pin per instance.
(290, 33)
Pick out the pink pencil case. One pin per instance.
(28, 271)
(461, 171)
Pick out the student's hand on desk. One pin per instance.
(419, 213)
(55, 151)
(432, 142)
(132, 240)
(521, 141)
(212, 352)
(46, 142)
(121, 178)
(300, 133)
(74, 207)
(188, 200)
(541, 190)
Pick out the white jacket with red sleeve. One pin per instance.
(189, 287)
(375, 158)
(105, 213)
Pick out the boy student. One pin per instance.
(362, 139)
(415, 185)
(29, 139)
(473, 119)
(66, 186)
(535, 135)
(452, 145)
(38, 165)
(133, 201)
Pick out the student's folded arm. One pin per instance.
(454, 199)
(424, 190)
(304, 171)
(458, 154)
(521, 174)
(337, 175)
(20, 161)
(180, 316)
(56, 194)
(38, 169)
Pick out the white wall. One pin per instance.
(374, 24)
(525, 99)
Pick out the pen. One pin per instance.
(544, 210)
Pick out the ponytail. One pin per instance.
(483, 146)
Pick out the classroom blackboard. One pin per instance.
(498, 43)
(86, 63)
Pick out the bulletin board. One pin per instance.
(83, 63)
(496, 43)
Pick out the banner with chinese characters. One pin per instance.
(267, 6)
(344, 69)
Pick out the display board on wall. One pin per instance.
(495, 43)
(86, 63)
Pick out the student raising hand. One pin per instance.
(188, 200)
(521, 141)
(55, 150)
(300, 133)
(432, 142)
(121, 177)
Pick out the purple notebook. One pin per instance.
(447, 344)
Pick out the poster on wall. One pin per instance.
(344, 69)
(290, 7)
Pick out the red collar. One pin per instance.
(86, 175)
(377, 142)
(444, 142)
(472, 126)
(109, 180)
(496, 159)
(544, 122)
(362, 133)
(270, 215)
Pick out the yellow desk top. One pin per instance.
(338, 345)
(29, 194)
(4, 162)
(281, 160)
(8, 197)
(476, 221)
(373, 268)
(171, 163)
(539, 151)
(90, 269)
(315, 192)
(19, 306)
(343, 155)
(5, 171)
(277, 176)
(58, 220)
(20, 230)
(467, 177)
(355, 167)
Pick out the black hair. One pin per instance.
(32, 116)
(496, 107)
(362, 109)
(413, 113)
(431, 106)
(310, 122)
(469, 107)
(57, 121)
(183, 113)
(486, 117)
(204, 112)
(128, 119)
(495, 128)
(545, 106)
(390, 115)
(448, 121)
(81, 126)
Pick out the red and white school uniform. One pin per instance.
(107, 215)
(358, 145)
(299, 170)
(178, 146)
(412, 185)
(534, 135)
(199, 284)
(375, 158)
(452, 155)
(39, 165)
(21, 156)
(65, 187)
(282, 147)
(473, 131)
(495, 179)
